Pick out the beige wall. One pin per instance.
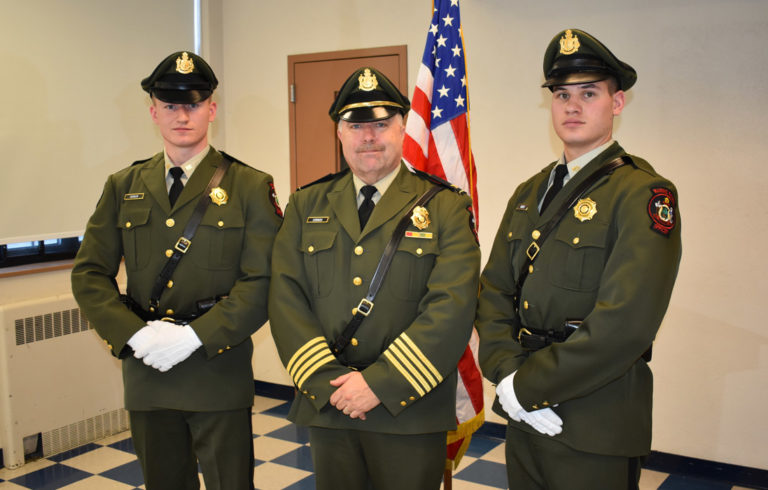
(697, 114)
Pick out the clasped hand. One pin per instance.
(546, 421)
(353, 396)
(162, 344)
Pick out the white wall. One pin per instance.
(696, 113)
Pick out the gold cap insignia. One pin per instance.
(420, 217)
(367, 81)
(569, 43)
(184, 64)
(585, 209)
(219, 196)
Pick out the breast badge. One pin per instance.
(661, 209)
(219, 196)
(420, 217)
(585, 209)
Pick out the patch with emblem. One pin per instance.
(569, 43)
(136, 196)
(420, 217)
(317, 219)
(273, 199)
(585, 209)
(219, 196)
(661, 209)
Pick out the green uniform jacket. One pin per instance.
(614, 272)
(229, 255)
(421, 319)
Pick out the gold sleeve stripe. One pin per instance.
(408, 365)
(303, 352)
(301, 364)
(421, 356)
(405, 374)
(315, 363)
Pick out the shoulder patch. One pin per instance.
(327, 178)
(661, 209)
(139, 162)
(436, 180)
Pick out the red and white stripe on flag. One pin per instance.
(437, 141)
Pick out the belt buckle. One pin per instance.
(522, 331)
(365, 307)
(182, 244)
(532, 255)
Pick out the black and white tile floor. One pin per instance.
(282, 461)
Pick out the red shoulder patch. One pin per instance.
(661, 209)
(273, 199)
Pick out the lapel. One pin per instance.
(398, 196)
(153, 177)
(341, 197)
(589, 169)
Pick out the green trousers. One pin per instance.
(539, 462)
(360, 460)
(169, 444)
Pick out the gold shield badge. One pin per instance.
(569, 43)
(184, 64)
(585, 209)
(367, 81)
(219, 196)
(420, 217)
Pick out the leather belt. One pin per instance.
(533, 339)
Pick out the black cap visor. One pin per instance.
(369, 114)
(181, 96)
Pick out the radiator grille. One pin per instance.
(49, 325)
(78, 433)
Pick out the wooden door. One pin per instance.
(314, 80)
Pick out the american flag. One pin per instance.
(437, 141)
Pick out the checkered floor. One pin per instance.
(282, 462)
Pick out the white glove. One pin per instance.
(141, 340)
(546, 421)
(171, 344)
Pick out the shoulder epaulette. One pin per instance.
(327, 178)
(231, 158)
(437, 180)
(139, 162)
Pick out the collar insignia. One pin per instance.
(219, 196)
(569, 43)
(585, 209)
(367, 81)
(185, 64)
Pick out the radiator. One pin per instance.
(57, 378)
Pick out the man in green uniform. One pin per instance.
(185, 336)
(377, 407)
(576, 287)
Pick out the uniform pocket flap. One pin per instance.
(131, 218)
(312, 243)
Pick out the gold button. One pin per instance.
(412, 398)
(509, 235)
(535, 407)
(530, 269)
(536, 234)
(403, 403)
(127, 224)
(221, 351)
(170, 284)
(168, 252)
(419, 251)
(169, 311)
(110, 346)
(353, 342)
(312, 397)
(358, 250)
(310, 249)
(545, 403)
(170, 222)
(221, 224)
(152, 309)
(106, 341)
(357, 281)
(305, 392)
(576, 240)
(228, 347)
(525, 305)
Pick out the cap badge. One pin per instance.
(367, 81)
(569, 43)
(420, 217)
(585, 209)
(219, 196)
(184, 64)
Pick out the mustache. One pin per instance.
(364, 148)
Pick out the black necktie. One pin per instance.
(366, 208)
(557, 184)
(177, 186)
